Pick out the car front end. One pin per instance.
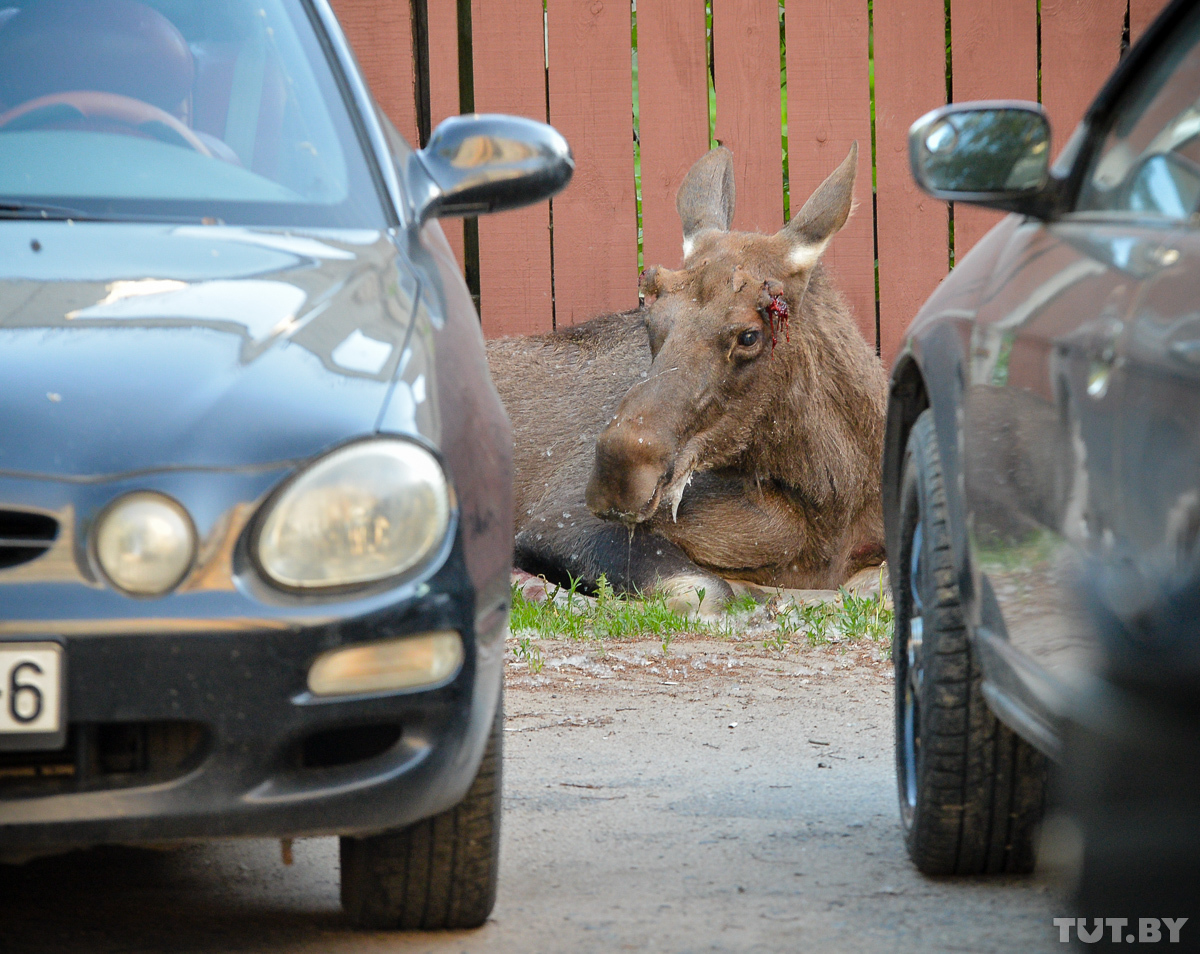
(238, 593)
(255, 481)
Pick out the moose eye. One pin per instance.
(749, 338)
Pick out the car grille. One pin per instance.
(105, 755)
(24, 536)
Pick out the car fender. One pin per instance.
(931, 372)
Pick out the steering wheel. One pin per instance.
(123, 109)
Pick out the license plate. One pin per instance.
(31, 696)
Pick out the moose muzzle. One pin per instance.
(633, 465)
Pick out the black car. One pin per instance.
(255, 482)
(1042, 472)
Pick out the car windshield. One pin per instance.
(212, 110)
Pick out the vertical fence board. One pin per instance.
(589, 99)
(514, 247)
(829, 106)
(994, 53)
(912, 228)
(381, 36)
(591, 103)
(673, 116)
(1141, 15)
(1081, 43)
(443, 88)
(749, 110)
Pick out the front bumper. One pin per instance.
(207, 730)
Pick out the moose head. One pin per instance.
(736, 336)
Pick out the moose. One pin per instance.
(730, 428)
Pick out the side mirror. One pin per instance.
(995, 154)
(481, 163)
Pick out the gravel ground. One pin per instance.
(722, 797)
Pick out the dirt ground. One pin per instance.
(723, 797)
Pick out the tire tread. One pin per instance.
(437, 873)
(980, 787)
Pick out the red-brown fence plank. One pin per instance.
(912, 228)
(514, 247)
(673, 116)
(591, 103)
(1141, 15)
(1081, 43)
(381, 35)
(749, 110)
(442, 19)
(829, 106)
(994, 49)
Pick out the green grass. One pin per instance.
(850, 618)
(610, 617)
(526, 651)
(637, 143)
(744, 603)
(864, 617)
(1005, 556)
(778, 642)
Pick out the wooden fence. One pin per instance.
(641, 89)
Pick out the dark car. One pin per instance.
(255, 482)
(1041, 476)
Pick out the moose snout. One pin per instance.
(631, 462)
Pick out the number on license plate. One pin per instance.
(30, 688)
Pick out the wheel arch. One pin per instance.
(929, 374)
(907, 398)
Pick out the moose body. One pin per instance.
(731, 428)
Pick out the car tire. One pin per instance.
(971, 791)
(438, 873)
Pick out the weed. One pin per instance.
(604, 590)
(742, 604)
(816, 620)
(566, 614)
(531, 654)
(779, 642)
(864, 616)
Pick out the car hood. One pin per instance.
(129, 347)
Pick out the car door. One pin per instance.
(1146, 173)
(1158, 431)
(1065, 335)
(1040, 411)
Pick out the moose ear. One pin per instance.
(823, 214)
(705, 199)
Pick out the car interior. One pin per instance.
(236, 81)
(52, 52)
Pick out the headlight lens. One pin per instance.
(365, 512)
(145, 543)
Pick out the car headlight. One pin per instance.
(145, 543)
(366, 512)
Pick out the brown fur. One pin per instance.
(781, 442)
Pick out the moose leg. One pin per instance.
(637, 562)
(743, 529)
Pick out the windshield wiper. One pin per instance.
(39, 211)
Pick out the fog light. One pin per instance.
(388, 665)
(145, 543)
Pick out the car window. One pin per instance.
(208, 109)
(1149, 161)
